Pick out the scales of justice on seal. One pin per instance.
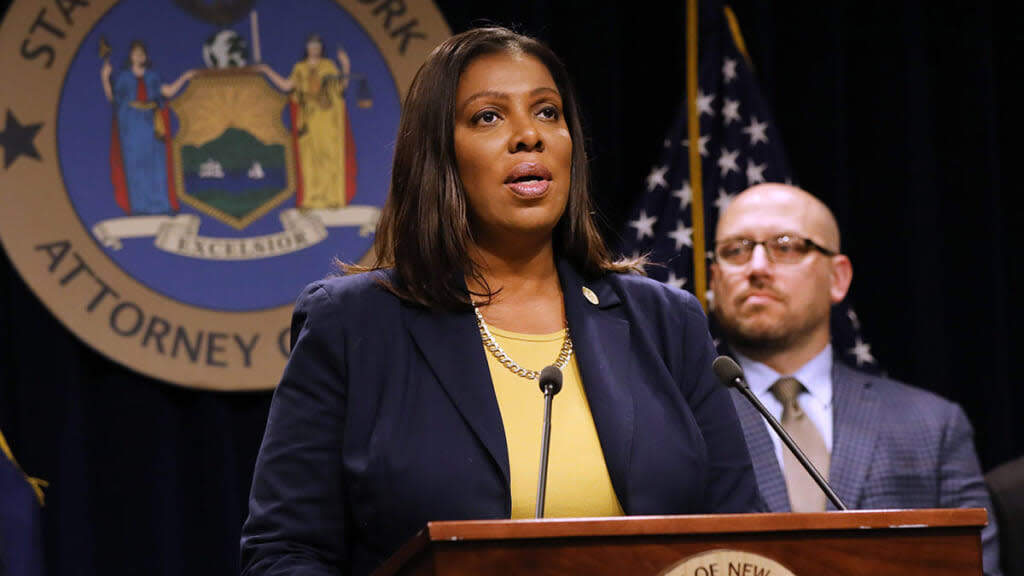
(248, 140)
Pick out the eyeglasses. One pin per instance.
(781, 249)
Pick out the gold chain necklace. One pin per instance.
(491, 344)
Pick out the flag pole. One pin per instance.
(700, 280)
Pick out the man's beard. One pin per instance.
(759, 339)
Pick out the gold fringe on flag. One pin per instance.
(37, 483)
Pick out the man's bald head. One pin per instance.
(805, 210)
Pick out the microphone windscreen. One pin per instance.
(551, 376)
(727, 370)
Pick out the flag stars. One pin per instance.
(729, 69)
(731, 111)
(704, 102)
(657, 178)
(682, 235)
(738, 147)
(644, 225)
(755, 172)
(684, 194)
(723, 200)
(676, 281)
(702, 144)
(727, 161)
(862, 352)
(757, 131)
(854, 320)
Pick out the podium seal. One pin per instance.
(725, 562)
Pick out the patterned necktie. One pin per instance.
(804, 493)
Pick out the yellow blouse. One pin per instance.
(578, 481)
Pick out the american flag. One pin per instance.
(738, 146)
(21, 518)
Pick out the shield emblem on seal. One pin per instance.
(232, 153)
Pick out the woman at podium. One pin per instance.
(411, 392)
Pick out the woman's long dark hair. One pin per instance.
(424, 231)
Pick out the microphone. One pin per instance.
(550, 384)
(731, 375)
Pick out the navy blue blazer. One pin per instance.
(386, 418)
(894, 446)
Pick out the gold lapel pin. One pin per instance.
(590, 296)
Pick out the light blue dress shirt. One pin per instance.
(815, 400)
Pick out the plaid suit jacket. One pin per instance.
(894, 446)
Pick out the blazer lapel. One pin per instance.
(601, 343)
(770, 481)
(855, 428)
(450, 344)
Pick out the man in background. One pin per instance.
(881, 444)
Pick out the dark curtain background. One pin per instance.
(901, 116)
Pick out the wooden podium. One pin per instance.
(936, 542)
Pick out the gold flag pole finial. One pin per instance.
(104, 49)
